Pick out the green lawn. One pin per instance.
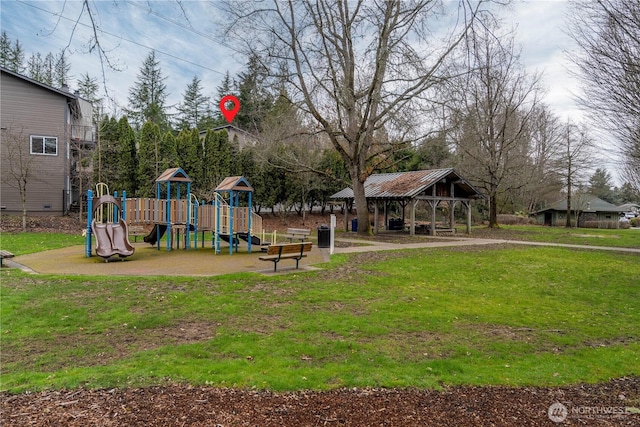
(27, 243)
(629, 238)
(417, 318)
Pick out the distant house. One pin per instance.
(242, 137)
(585, 207)
(43, 128)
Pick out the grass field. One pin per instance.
(418, 318)
(629, 238)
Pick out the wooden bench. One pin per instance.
(301, 234)
(5, 254)
(137, 230)
(277, 252)
(445, 231)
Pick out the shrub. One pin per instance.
(591, 224)
(635, 222)
(515, 220)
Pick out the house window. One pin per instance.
(47, 145)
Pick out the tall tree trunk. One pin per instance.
(569, 179)
(568, 222)
(362, 208)
(493, 203)
(23, 195)
(493, 211)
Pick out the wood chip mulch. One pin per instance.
(613, 403)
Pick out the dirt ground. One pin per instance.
(612, 403)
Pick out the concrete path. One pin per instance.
(373, 246)
(362, 245)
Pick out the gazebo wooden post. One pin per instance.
(434, 205)
(346, 216)
(452, 206)
(412, 224)
(468, 205)
(452, 218)
(386, 214)
(375, 217)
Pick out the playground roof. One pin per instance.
(407, 185)
(174, 175)
(234, 183)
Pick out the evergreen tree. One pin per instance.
(148, 95)
(189, 149)
(255, 100)
(600, 185)
(127, 157)
(61, 70)
(11, 57)
(169, 152)
(149, 159)
(628, 194)
(223, 162)
(17, 58)
(87, 88)
(225, 88)
(35, 67)
(48, 66)
(195, 109)
(105, 157)
(5, 50)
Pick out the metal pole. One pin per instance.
(87, 241)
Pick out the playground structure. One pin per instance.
(177, 213)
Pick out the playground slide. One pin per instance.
(157, 233)
(112, 239)
(226, 238)
(255, 240)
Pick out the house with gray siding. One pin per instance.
(585, 207)
(43, 131)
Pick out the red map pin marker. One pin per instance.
(229, 114)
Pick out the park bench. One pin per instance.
(5, 254)
(445, 231)
(301, 234)
(281, 251)
(137, 230)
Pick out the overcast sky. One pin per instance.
(186, 44)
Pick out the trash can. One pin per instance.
(354, 225)
(324, 236)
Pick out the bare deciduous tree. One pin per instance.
(608, 34)
(355, 67)
(19, 169)
(493, 106)
(574, 158)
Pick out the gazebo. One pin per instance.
(432, 187)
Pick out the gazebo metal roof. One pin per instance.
(405, 185)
